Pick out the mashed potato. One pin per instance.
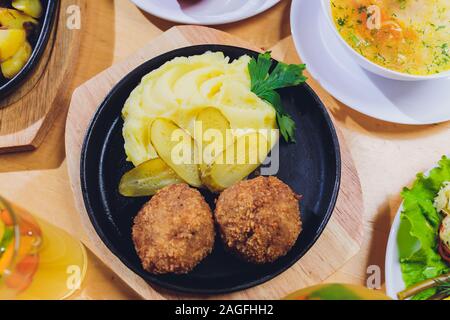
(183, 87)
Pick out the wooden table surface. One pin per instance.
(387, 156)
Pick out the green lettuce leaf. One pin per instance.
(418, 233)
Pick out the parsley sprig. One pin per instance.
(265, 82)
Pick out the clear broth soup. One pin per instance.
(408, 36)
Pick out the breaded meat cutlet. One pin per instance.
(174, 231)
(259, 219)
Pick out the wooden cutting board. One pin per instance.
(340, 241)
(27, 114)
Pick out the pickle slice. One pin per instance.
(213, 142)
(236, 162)
(147, 179)
(178, 150)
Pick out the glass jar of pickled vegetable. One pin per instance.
(37, 260)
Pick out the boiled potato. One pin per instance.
(13, 19)
(30, 7)
(237, 162)
(13, 65)
(212, 142)
(147, 179)
(11, 40)
(176, 148)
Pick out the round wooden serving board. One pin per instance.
(340, 241)
(27, 114)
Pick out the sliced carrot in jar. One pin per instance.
(18, 282)
(28, 226)
(22, 276)
(28, 265)
(6, 218)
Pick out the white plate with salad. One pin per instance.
(418, 251)
(205, 12)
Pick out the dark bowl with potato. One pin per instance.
(18, 67)
(311, 167)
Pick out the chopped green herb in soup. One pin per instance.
(409, 36)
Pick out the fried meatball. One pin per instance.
(259, 219)
(174, 231)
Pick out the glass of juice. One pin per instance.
(37, 260)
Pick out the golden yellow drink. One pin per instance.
(37, 260)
